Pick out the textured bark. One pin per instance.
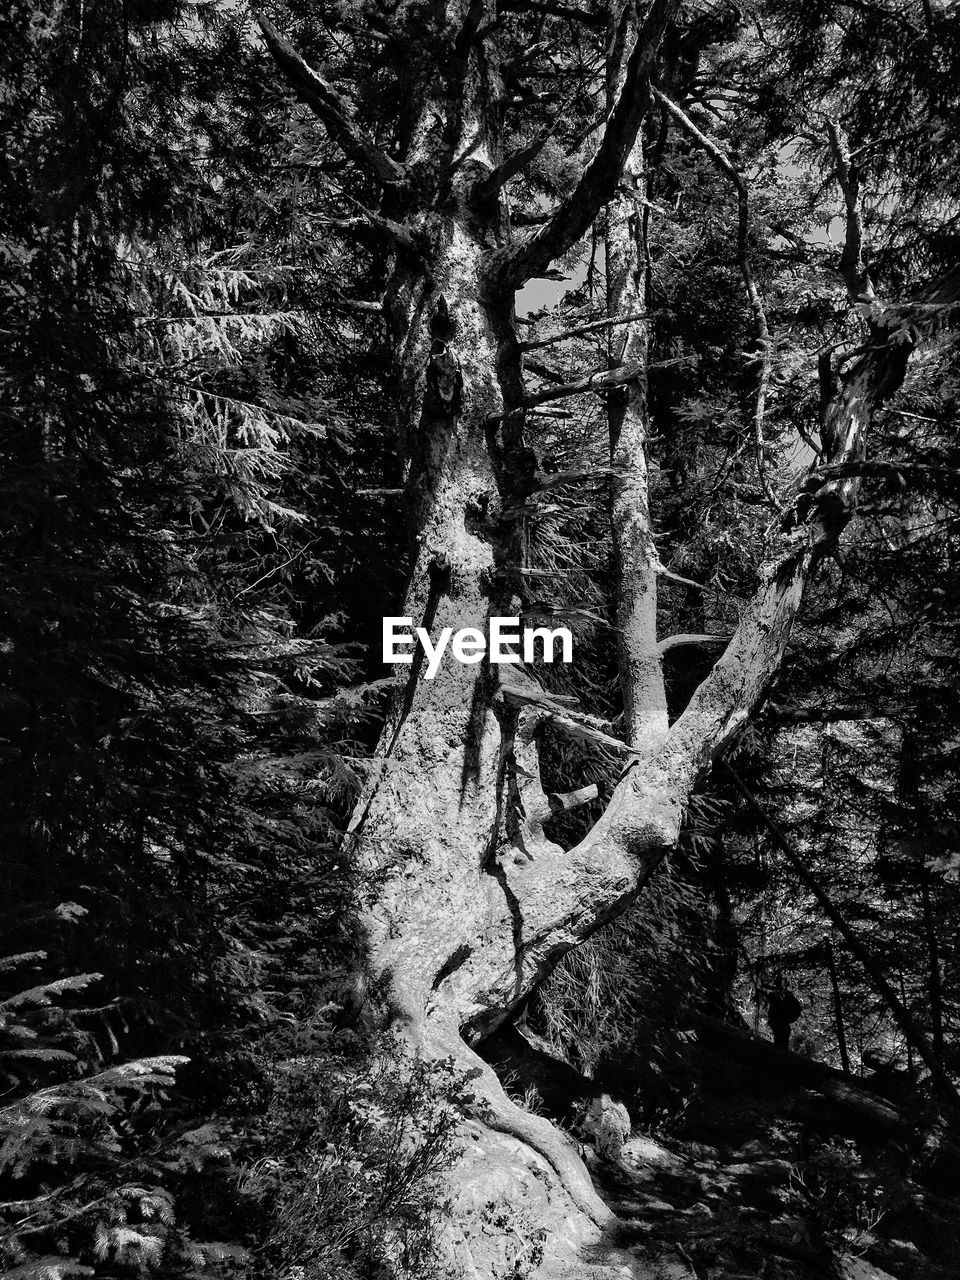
(635, 556)
(471, 904)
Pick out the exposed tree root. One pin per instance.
(498, 1112)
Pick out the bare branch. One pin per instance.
(764, 344)
(888, 470)
(555, 480)
(370, 224)
(664, 572)
(546, 709)
(328, 105)
(572, 728)
(358, 304)
(573, 217)
(566, 801)
(600, 380)
(689, 638)
(469, 29)
(578, 332)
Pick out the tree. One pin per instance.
(477, 160)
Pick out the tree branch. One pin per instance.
(469, 30)
(544, 909)
(592, 327)
(764, 343)
(488, 188)
(600, 380)
(683, 638)
(838, 712)
(573, 217)
(369, 224)
(888, 470)
(328, 105)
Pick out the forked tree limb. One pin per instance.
(599, 381)
(489, 187)
(689, 638)
(593, 327)
(540, 910)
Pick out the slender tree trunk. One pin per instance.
(837, 1007)
(635, 556)
(934, 974)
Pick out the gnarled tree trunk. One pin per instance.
(474, 904)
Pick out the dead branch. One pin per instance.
(593, 327)
(489, 187)
(836, 712)
(466, 37)
(599, 381)
(549, 9)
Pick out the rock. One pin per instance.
(901, 1256)
(644, 1155)
(860, 1269)
(768, 1172)
(701, 1152)
(608, 1121)
(750, 1151)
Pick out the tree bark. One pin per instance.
(470, 904)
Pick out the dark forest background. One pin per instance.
(203, 524)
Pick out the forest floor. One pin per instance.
(770, 1177)
(781, 1170)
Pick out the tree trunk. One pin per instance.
(837, 1007)
(472, 905)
